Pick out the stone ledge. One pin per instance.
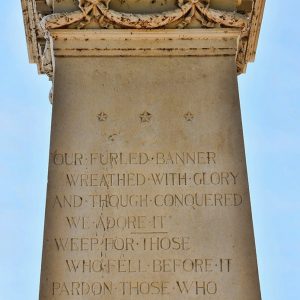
(124, 42)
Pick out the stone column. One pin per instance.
(147, 191)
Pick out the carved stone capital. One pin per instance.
(42, 24)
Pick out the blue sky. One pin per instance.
(271, 115)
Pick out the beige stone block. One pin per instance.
(148, 194)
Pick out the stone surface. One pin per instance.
(39, 20)
(146, 6)
(148, 195)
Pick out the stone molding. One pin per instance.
(166, 42)
(97, 15)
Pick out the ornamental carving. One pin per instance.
(98, 14)
(188, 11)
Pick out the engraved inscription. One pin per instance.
(123, 219)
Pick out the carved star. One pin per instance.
(102, 116)
(189, 116)
(145, 117)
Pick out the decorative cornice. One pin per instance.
(94, 14)
(188, 11)
(256, 21)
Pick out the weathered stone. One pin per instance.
(245, 15)
(147, 190)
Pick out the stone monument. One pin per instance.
(147, 190)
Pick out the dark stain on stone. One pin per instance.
(112, 137)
